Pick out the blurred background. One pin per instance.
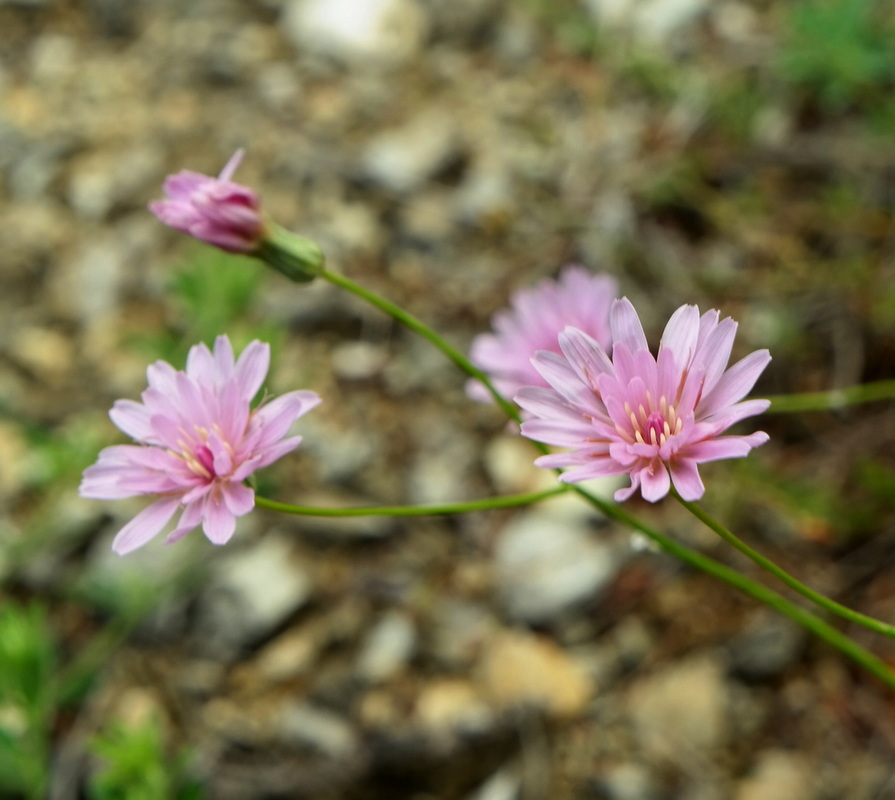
(733, 154)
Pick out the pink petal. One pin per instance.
(681, 334)
(223, 360)
(231, 166)
(736, 383)
(724, 447)
(218, 522)
(200, 364)
(685, 474)
(240, 499)
(654, 481)
(251, 368)
(189, 521)
(132, 418)
(144, 526)
(626, 326)
(556, 432)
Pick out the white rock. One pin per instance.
(403, 158)
(650, 21)
(502, 785)
(319, 728)
(383, 30)
(680, 713)
(777, 775)
(252, 592)
(547, 563)
(388, 647)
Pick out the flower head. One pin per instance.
(653, 418)
(534, 321)
(213, 210)
(198, 440)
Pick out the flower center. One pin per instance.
(654, 423)
(194, 450)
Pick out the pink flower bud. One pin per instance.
(213, 210)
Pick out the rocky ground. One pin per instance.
(444, 154)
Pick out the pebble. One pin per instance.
(304, 724)
(766, 648)
(777, 775)
(388, 647)
(375, 31)
(547, 564)
(403, 158)
(679, 712)
(252, 590)
(453, 705)
(521, 670)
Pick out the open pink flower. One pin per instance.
(213, 210)
(653, 418)
(198, 440)
(534, 321)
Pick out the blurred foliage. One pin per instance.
(136, 765)
(210, 294)
(27, 662)
(840, 51)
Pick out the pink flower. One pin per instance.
(198, 440)
(534, 321)
(653, 418)
(214, 210)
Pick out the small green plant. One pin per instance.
(137, 766)
(211, 293)
(839, 50)
(27, 660)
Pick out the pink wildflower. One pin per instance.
(653, 418)
(198, 440)
(534, 321)
(213, 210)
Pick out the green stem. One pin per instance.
(757, 591)
(797, 586)
(832, 399)
(418, 326)
(508, 501)
(708, 565)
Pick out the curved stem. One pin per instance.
(708, 565)
(797, 586)
(832, 399)
(418, 326)
(507, 501)
(757, 591)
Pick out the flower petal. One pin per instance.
(218, 522)
(144, 526)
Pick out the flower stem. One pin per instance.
(757, 591)
(418, 326)
(832, 399)
(508, 501)
(797, 586)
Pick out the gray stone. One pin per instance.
(680, 712)
(381, 31)
(388, 647)
(403, 158)
(547, 563)
(766, 648)
(318, 728)
(251, 592)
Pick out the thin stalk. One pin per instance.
(418, 326)
(507, 501)
(757, 591)
(784, 577)
(832, 399)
